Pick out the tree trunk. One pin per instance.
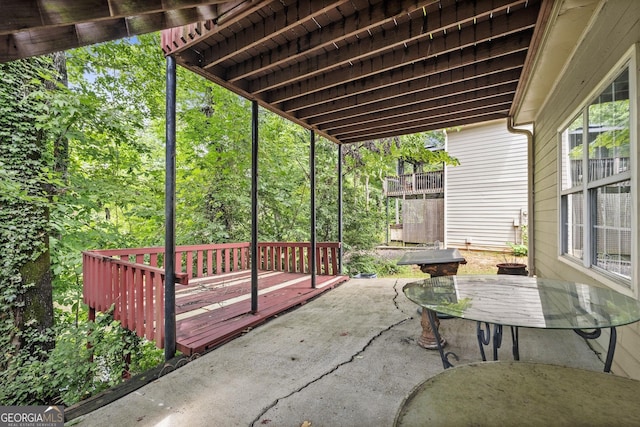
(61, 143)
(25, 276)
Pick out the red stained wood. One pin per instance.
(132, 282)
(148, 306)
(213, 328)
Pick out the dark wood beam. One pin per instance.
(21, 15)
(482, 59)
(376, 49)
(363, 113)
(427, 126)
(284, 18)
(362, 21)
(41, 40)
(362, 104)
(440, 100)
(335, 120)
(462, 104)
(444, 84)
(471, 109)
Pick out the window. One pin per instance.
(595, 187)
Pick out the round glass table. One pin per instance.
(518, 301)
(521, 394)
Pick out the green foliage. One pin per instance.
(518, 250)
(106, 190)
(368, 262)
(67, 374)
(26, 177)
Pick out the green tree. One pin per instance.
(24, 210)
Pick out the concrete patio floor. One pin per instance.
(347, 358)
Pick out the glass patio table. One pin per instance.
(518, 301)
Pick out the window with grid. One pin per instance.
(596, 202)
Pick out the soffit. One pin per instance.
(568, 22)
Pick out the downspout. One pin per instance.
(531, 195)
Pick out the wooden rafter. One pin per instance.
(391, 80)
(351, 70)
(386, 50)
(357, 70)
(441, 86)
(36, 27)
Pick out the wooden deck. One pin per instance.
(213, 287)
(213, 310)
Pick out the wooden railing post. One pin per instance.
(132, 282)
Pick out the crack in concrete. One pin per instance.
(395, 299)
(335, 368)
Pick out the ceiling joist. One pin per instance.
(352, 70)
(360, 70)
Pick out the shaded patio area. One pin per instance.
(347, 358)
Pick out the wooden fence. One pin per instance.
(131, 281)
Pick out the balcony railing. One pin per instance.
(413, 184)
(131, 281)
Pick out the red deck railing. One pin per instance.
(131, 281)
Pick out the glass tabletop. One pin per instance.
(525, 301)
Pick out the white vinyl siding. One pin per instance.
(487, 192)
(614, 30)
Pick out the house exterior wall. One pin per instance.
(613, 31)
(486, 195)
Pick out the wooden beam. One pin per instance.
(284, 18)
(41, 40)
(417, 88)
(502, 54)
(440, 86)
(409, 45)
(427, 101)
(458, 104)
(363, 20)
(427, 126)
(473, 108)
(338, 119)
(24, 15)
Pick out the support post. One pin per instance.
(340, 209)
(170, 214)
(312, 177)
(255, 256)
(387, 221)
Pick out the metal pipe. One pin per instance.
(531, 196)
(255, 256)
(340, 208)
(312, 178)
(170, 214)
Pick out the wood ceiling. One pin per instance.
(353, 70)
(357, 70)
(37, 27)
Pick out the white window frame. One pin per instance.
(630, 286)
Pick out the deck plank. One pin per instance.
(218, 309)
